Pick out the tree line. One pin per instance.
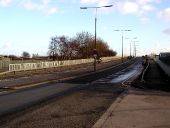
(80, 46)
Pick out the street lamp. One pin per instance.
(95, 47)
(130, 55)
(122, 40)
(135, 50)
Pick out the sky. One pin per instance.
(28, 25)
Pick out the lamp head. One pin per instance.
(83, 7)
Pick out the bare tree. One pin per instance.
(25, 54)
(86, 44)
(80, 46)
(35, 55)
(53, 48)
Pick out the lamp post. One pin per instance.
(130, 54)
(95, 47)
(122, 40)
(135, 50)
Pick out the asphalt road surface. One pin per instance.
(76, 103)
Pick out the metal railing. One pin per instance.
(143, 74)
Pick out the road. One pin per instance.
(74, 103)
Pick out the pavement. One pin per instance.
(138, 109)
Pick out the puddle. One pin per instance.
(126, 75)
(123, 77)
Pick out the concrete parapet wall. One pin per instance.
(51, 64)
(165, 67)
(40, 65)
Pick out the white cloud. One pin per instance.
(147, 8)
(127, 7)
(46, 2)
(6, 45)
(165, 14)
(43, 6)
(144, 20)
(29, 5)
(104, 2)
(167, 31)
(142, 2)
(89, 1)
(135, 7)
(51, 10)
(141, 7)
(97, 2)
(5, 3)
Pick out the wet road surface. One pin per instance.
(109, 74)
(133, 70)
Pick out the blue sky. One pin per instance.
(28, 25)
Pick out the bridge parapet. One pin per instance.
(165, 67)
